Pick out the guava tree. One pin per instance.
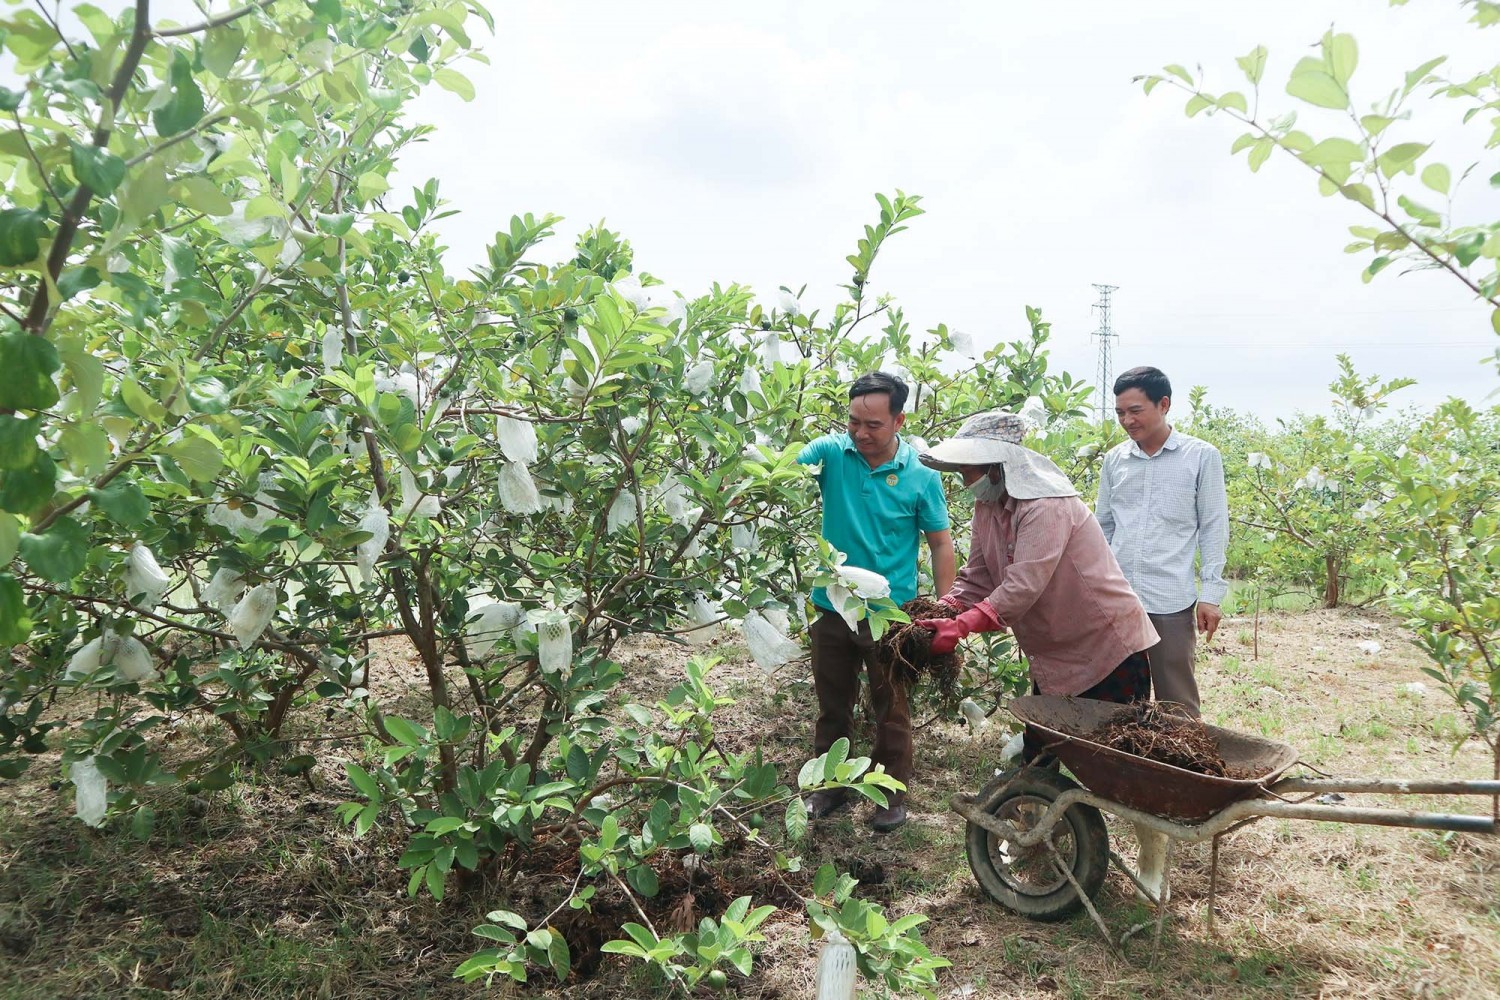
(254, 425)
(1308, 487)
(1376, 156)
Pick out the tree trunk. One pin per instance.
(1331, 566)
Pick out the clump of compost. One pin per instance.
(907, 648)
(1151, 730)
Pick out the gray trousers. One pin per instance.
(1172, 658)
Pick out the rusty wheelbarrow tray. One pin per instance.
(1063, 726)
(1015, 816)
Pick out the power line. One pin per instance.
(1105, 335)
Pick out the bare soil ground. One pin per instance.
(258, 892)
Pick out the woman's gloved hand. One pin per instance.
(948, 631)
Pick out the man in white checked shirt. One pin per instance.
(1161, 504)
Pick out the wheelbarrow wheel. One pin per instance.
(1026, 879)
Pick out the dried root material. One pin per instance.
(1157, 733)
(907, 648)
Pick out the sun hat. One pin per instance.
(995, 437)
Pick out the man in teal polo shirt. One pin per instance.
(878, 500)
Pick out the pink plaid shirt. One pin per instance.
(1046, 569)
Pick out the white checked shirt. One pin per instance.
(1159, 512)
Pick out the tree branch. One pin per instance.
(67, 228)
(213, 22)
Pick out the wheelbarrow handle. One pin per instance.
(1388, 786)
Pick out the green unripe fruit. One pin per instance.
(717, 980)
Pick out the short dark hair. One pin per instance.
(881, 382)
(1149, 380)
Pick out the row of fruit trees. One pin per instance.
(250, 424)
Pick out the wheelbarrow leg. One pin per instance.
(1084, 896)
(1166, 899)
(1213, 884)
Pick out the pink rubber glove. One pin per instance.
(947, 631)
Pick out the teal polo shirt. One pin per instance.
(876, 516)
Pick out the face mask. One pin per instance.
(986, 491)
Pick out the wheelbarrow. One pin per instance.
(1037, 843)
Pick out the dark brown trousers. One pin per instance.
(838, 655)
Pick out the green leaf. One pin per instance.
(508, 918)
(85, 448)
(623, 948)
(18, 448)
(144, 191)
(1333, 151)
(335, 225)
(1180, 73)
(558, 957)
(184, 108)
(143, 823)
(642, 879)
(28, 363)
(203, 195)
(124, 502)
(403, 731)
(1197, 103)
(1437, 177)
(451, 79)
(177, 255)
(1260, 152)
(1360, 193)
(361, 779)
(199, 457)
(221, 49)
(10, 537)
(796, 819)
(10, 100)
(75, 280)
(1343, 56)
(21, 231)
(837, 754)
(100, 169)
(1416, 76)
(1495, 320)
(60, 553)
(24, 490)
(1312, 83)
(1253, 63)
(1400, 158)
(371, 185)
(15, 621)
(1234, 100)
(327, 11)
(701, 835)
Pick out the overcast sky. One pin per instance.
(743, 142)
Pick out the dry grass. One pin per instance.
(258, 893)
